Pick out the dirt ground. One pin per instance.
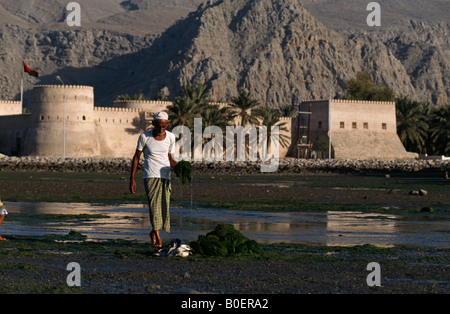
(40, 266)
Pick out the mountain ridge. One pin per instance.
(277, 49)
(241, 44)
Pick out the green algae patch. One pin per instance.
(225, 240)
(73, 242)
(183, 171)
(72, 235)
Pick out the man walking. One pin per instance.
(158, 146)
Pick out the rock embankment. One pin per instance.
(286, 165)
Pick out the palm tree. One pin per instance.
(213, 115)
(199, 94)
(139, 96)
(188, 106)
(287, 110)
(162, 97)
(243, 106)
(182, 112)
(440, 130)
(412, 126)
(271, 117)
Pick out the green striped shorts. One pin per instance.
(158, 195)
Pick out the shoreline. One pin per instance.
(285, 166)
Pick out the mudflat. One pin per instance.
(328, 189)
(38, 264)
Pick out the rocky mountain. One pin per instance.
(139, 17)
(282, 54)
(424, 52)
(37, 32)
(395, 14)
(275, 48)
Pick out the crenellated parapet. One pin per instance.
(8, 107)
(350, 101)
(284, 119)
(114, 109)
(147, 105)
(9, 102)
(364, 102)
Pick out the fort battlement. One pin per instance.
(112, 115)
(9, 102)
(147, 105)
(364, 102)
(8, 108)
(55, 100)
(345, 101)
(76, 87)
(117, 109)
(155, 102)
(315, 101)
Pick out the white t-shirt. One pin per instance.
(156, 159)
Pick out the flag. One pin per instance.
(29, 71)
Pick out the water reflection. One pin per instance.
(130, 221)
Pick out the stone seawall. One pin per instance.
(286, 166)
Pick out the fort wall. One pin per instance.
(52, 100)
(59, 109)
(147, 105)
(363, 116)
(359, 129)
(10, 108)
(12, 133)
(119, 129)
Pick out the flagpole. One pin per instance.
(21, 92)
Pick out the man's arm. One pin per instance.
(134, 165)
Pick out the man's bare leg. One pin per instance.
(153, 238)
(158, 239)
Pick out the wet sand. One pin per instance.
(393, 191)
(38, 265)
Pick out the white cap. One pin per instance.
(161, 116)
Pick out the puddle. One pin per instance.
(130, 222)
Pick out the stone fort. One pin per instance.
(356, 129)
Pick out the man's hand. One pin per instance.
(172, 161)
(134, 165)
(132, 186)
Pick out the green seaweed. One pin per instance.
(183, 170)
(225, 240)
